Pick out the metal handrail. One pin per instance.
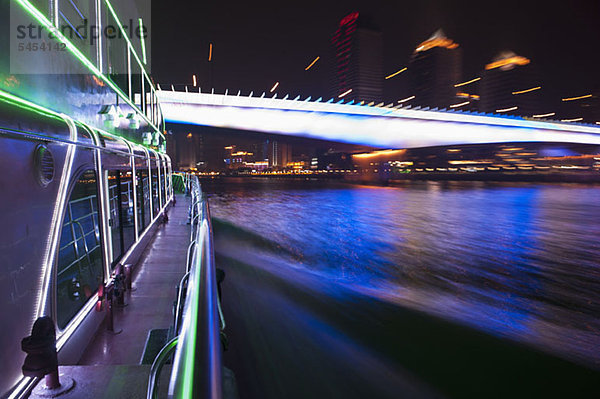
(157, 365)
(197, 366)
(189, 257)
(178, 309)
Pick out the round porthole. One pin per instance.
(44, 165)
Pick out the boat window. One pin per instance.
(121, 212)
(155, 203)
(79, 266)
(143, 197)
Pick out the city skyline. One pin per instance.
(256, 46)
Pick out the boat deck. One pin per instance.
(149, 305)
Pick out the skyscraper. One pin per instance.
(433, 70)
(509, 85)
(358, 48)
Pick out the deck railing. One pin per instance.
(197, 364)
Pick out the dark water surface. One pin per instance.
(517, 261)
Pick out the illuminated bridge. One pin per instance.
(380, 125)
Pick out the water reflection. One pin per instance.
(516, 260)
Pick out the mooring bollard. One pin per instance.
(42, 360)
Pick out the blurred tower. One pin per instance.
(433, 70)
(358, 47)
(509, 85)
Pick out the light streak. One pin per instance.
(518, 60)
(312, 63)
(274, 87)
(210, 52)
(406, 99)
(572, 120)
(507, 109)
(460, 104)
(467, 82)
(194, 80)
(345, 93)
(544, 115)
(396, 73)
(526, 91)
(576, 98)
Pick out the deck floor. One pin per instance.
(149, 304)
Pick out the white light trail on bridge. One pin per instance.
(345, 93)
(406, 99)
(544, 115)
(274, 87)
(376, 126)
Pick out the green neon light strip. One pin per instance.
(125, 36)
(75, 51)
(143, 42)
(29, 105)
(190, 353)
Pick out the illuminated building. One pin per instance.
(358, 48)
(433, 70)
(509, 85)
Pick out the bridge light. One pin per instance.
(312, 63)
(460, 104)
(467, 82)
(577, 98)
(396, 73)
(507, 109)
(345, 93)
(194, 80)
(406, 99)
(210, 52)
(572, 120)
(274, 87)
(526, 91)
(544, 115)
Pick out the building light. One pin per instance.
(516, 60)
(577, 98)
(406, 99)
(526, 91)
(544, 115)
(312, 63)
(437, 42)
(345, 93)
(572, 120)
(507, 109)
(274, 87)
(467, 82)
(460, 104)
(396, 73)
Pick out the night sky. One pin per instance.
(257, 43)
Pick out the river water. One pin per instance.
(518, 261)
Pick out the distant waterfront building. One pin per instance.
(433, 70)
(358, 54)
(510, 85)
